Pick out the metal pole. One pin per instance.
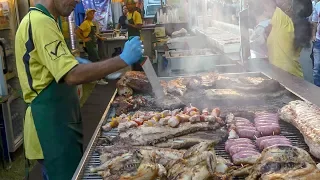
(71, 31)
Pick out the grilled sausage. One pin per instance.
(232, 142)
(247, 133)
(241, 147)
(268, 130)
(267, 115)
(236, 149)
(239, 128)
(240, 119)
(244, 124)
(258, 141)
(266, 119)
(266, 123)
(271, 142)
(245, 157)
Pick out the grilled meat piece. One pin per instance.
(127, 104)
(232, 142)
(305, 117)
(248, 84)
(271, 142)
(169, 102)
(186, 141)
(152, 135)
(268, 130)
(239, 128)
(138, 163)
(177, 87)
(208, 79)
(248, 133)
(236, 149)
(245, 157)
(258, 141)
(136, 80)
(199, 162)
(284, 162)
(241, 145)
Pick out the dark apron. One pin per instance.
(53, 110)
(91, 46)
(134, 32)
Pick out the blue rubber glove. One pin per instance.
(82, 60)
(132, 51)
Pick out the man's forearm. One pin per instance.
(85, 73)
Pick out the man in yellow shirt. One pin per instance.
(48, 75)
(290, 32)
(134, 19)
(87, 31)
(134, 24)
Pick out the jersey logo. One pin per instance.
(55, 49)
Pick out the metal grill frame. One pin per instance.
(91, 158)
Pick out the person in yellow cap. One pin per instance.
(134, 24)
(48, 74)
(134, 19)
(87, 32)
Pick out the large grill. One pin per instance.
(91, 157)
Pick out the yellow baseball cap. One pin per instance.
(89, 10)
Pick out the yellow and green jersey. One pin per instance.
(42, 56)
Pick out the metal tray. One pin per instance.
(193, 63)
(91, 158)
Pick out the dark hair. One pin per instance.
(302, 9)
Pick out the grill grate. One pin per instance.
(287, 130)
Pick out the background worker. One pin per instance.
(290, 32)
(48, 75)
(122, 25)
(316, 43)
(87, 32)
(134, 23)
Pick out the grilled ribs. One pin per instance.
(305, 117)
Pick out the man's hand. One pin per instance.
(87, 39)
(132, 52)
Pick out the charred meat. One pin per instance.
(284, 162)
(135, 80)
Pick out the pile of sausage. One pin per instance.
(242, 151)
(267, 124)
(265, 131)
